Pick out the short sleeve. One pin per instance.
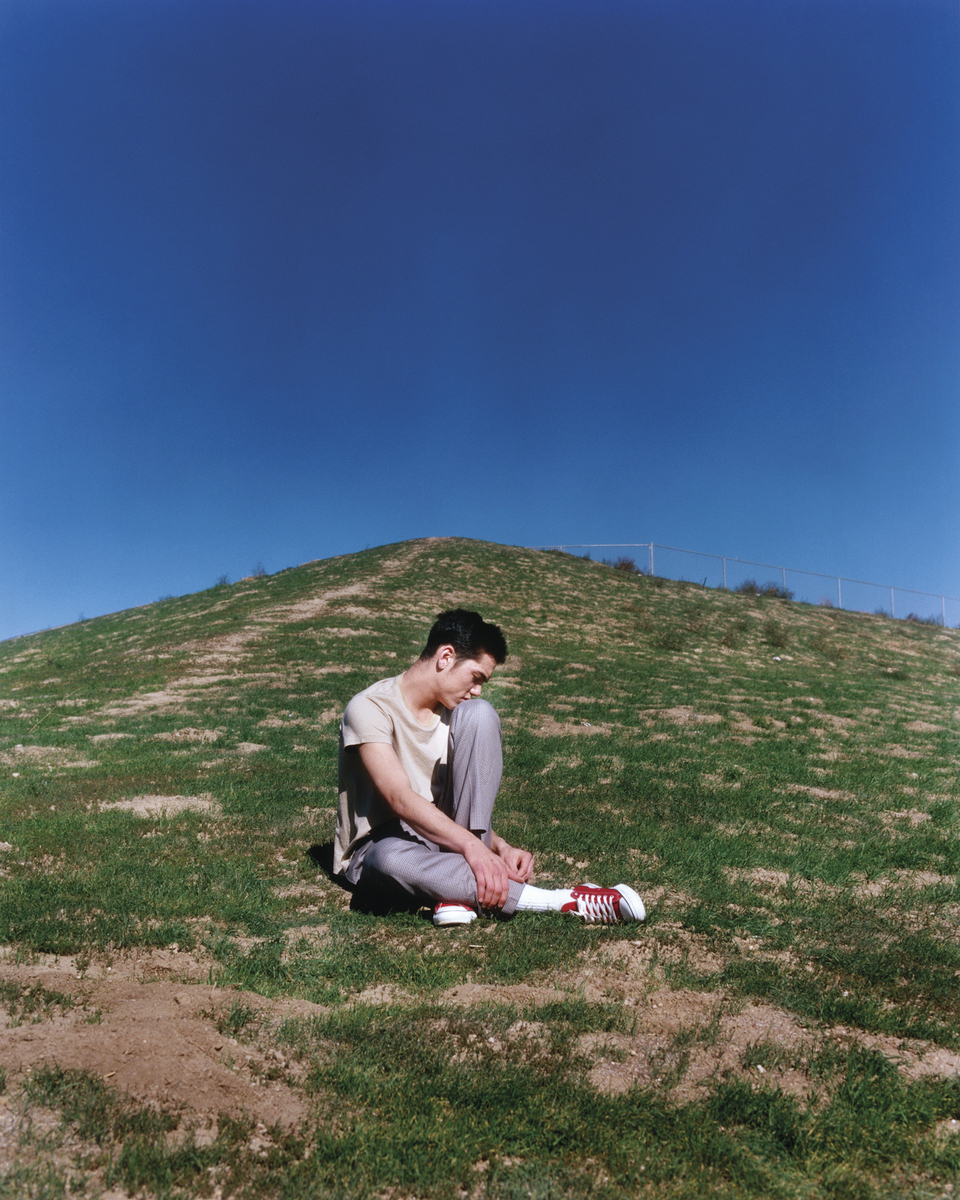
(365, 721)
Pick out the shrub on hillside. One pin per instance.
(627, 565)
(733, 634)
(774, 591)
(832, 650)
(672, 639)
(775, 635)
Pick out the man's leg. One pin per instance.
(401, 858)
(474, 767)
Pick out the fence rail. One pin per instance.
(729, 575)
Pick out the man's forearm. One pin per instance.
(427, 820)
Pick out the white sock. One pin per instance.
(534, 899)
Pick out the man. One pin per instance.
(420, 764)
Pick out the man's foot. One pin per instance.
(608, 906)
(452, 912)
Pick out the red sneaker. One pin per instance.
(453, 912)
(607, 906)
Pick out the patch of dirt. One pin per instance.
(551, 727)
(188, 734)
(716, 780)
(157, 1042)
(894, 751)
(759, 877)
(914, 816)
(315, 606)
(818, 793)
(160, 806)
(684, 1041)
(45, 756)
(168, 700)
(911, 880)
(683, 715)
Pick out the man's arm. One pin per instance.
(491, 870)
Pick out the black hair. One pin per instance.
(468, 633)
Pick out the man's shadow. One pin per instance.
(362, 900)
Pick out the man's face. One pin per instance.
(463, 679)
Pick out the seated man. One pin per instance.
(420, 764)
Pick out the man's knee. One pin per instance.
(475, 717)
(386, 857)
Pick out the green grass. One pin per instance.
(782, 779)
(426, 1101)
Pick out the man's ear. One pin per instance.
(446, 657)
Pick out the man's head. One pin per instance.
(468, 633)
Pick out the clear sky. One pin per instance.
(282, 279)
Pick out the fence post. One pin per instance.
(651, 559)
(724, 574)
(783, 576)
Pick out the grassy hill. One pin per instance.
(192, 1004)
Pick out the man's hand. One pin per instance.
(491, 873)
(519, 863)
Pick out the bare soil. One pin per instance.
(150, 1024)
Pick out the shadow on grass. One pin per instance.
(363, 900)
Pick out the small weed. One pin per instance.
(35, 1002)
(772, 1056)
(237, 1019)
(97, 1111)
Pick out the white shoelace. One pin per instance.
(599, 906)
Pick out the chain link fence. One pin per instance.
(809, 587)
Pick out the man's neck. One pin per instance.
(419, 691)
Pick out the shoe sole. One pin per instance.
(454, 916)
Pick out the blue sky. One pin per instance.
(283, 279)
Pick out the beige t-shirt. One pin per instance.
(380, 714)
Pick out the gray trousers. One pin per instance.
(397, 860)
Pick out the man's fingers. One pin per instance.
(493, 887)
(492, 875)
(521, 866)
